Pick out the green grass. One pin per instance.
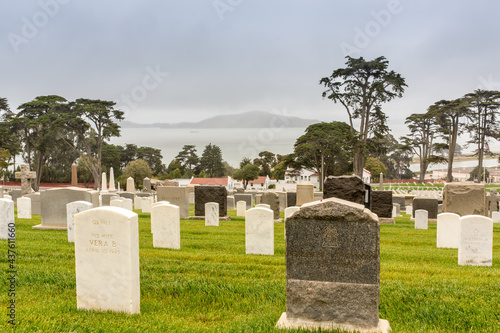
(210, 285)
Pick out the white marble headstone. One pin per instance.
(409, 210)
(128, 204)
(6, 217)
(212, 214)
(166, 226)
(241, 207)
(448, 230)
(146, 205)
(421, 219)
(259, 231)
(116, 202)
(23, 208)
(495, 216)
(73, 208)
(107, 260)
(476, 241)
(263, 206)
(137, 202)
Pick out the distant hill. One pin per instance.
(252, 119)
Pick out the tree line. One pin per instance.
(51, 133)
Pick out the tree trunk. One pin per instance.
(359, 163)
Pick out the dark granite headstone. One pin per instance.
(272, 199)
(291, 199)
(400, 200)
(428, 204)
(350, 188)
(204, 194)
(381, 203)
(244, 197)
(333, 264)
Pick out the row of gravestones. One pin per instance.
(326, 243)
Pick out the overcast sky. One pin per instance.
(172, 61)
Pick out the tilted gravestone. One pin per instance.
(107, 260)
(350, 188)
(204, 194)
(333, 267)
(428, 204)
(381, 203)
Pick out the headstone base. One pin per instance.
(221, 218)
(387, 220)
(49, 227)
(296, 323)
(278, 220)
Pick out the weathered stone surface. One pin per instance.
(399, 199)
(291, 199)
(146, 185)
(350, 188)
(283, 200)
(230, 202)
(72, 209)
(333, 264)
(428, 204)
(381, 203)
(247, 197)
(464, 199)
(166, 226)
(335, 240)
(305, 193)
(26, 177)
(273, 200)
(351, 303)
(106, 198)
(177, 196)
(15, 194)
(36, 205)
(54, 201)
(212, 214)
(204, 194)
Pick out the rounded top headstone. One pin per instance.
(335, 209)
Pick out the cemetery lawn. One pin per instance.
(210, 285)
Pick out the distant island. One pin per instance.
(251, 119)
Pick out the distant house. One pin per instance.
(367, 176)
(228, 182)
(261, 183)
(292, 178)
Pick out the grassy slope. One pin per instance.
(210, 285)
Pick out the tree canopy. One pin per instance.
(362, 87)
(211, 161)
